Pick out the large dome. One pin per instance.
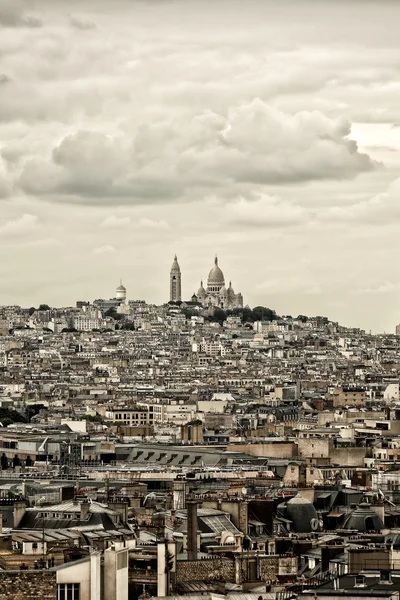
(301, 512)
(216, 276)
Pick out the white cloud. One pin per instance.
(252, 144)
(150, 224)
(114, 222)
(385, 287)
(20, 225)
(104, 250)
(267, 211)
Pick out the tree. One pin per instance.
(44, 307)
(302, 318)
(112, 312)
(93, 418)
(12, 415)
(32, 310)
(32, 410)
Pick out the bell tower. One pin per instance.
(175, 284)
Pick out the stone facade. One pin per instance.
(27, 585)
(213, 569)
(242, 568)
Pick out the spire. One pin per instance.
(175, 257)
(216, 260)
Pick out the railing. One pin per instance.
(142, 575)
(294, 589)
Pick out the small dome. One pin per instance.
(216, 276)
(121, 288)
(201, 291)
(301, 512)
(231, 291)
(223, 291)
(364, 518)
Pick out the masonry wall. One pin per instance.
(275, 450)
(205, 570)
(27, 585)
(348, 457)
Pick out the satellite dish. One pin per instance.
(314, 524)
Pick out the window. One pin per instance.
(68, 591)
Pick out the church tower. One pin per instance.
(175, 287)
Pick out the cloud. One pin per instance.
(22, 224)
(385, 287)
(253, 144)
(104, 250)
(380, 210)
(12, 14)
(150, 224)
(82, 24)
(113, 222)
(5, 179)
(290, 285)
(266, 211)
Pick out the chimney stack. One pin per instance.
(191, 529)
(85, 506)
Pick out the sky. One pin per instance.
(265, 131)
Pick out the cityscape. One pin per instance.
(199, 300)
(197, 448)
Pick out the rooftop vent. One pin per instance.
(385, 577)
(360, 581)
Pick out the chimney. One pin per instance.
(85, 506)
(191, 529)
(19, 511)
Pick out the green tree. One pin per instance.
(44, 307)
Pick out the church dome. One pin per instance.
(121, 292)
(216, 276)
(201, 293)
(302, 513)
(231, 291)
(223, 291)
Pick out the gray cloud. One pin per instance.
(13, 14)
(82, 24)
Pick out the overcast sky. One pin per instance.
(266, 131)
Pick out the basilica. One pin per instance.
(215, 295)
